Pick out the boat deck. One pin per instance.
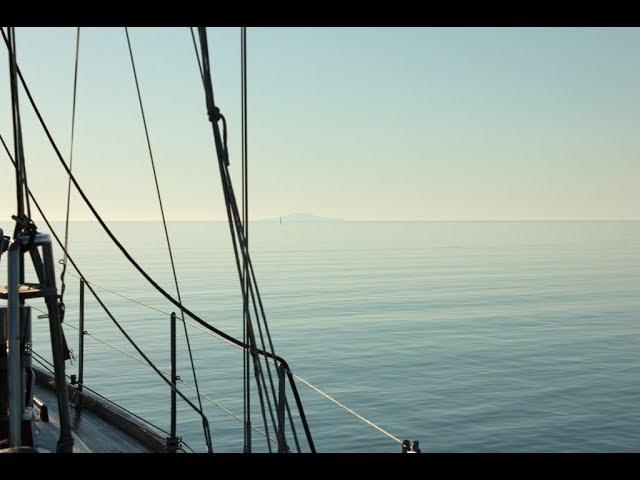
(96, 426)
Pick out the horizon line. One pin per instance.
(340, 220)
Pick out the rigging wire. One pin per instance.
(223, 161)
(232, 208)
(245, 218)
(239, 222)
(106, 309)
(47, 365)
(63, 285)
(248, 339)
(204, 329)
(250, 344)
(298, 377)
(44, 362)
(214, 116)
(195, 48)
(304, 381)
(141, 361)
(111, 235)
(18, 163)
(21, 176)
(164, 220)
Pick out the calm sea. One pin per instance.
(467, 336)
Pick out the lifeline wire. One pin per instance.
(66, 222)
(298, 377)
(110, 315)
(223, 338)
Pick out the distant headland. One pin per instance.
(300, 217)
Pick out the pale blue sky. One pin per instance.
(356, 123)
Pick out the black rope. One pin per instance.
(262, 342)
(195, 48)
(14, 88)
(113, 319)
(47, 365)
(221, 148)
(272, 349)
(232, 208)
(245, 206)
(63, 285)
(247, 351)
(251, 285)
(251, 342)
(145, 275)
(222, 153)
(230, 199)
(254, 284)
(21, 177)
(24, 223)
(111, 235)
(164, 221)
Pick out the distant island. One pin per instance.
(300, 217)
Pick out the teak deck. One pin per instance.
(97, 426)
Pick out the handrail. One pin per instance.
(185, 383)
(48, 365)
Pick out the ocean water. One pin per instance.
(467, 336)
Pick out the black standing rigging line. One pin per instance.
(251, 347)
(234, 217)
(248, 337)
(195, 48)
(164, 221)
(223, 161)
(63, 285)
(232, 206)
(21, 174)
(105, 308)
(15, 120)
(147, 277)
(245, 220)
(28, 193)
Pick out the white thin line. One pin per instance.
(304, 381)
(187, 384)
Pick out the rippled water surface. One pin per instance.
(469, 336)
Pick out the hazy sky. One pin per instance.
(356, 123)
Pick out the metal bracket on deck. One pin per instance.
(18, 337)
(4, 242)
(173, 444)
(42, 409)
(409, 447)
